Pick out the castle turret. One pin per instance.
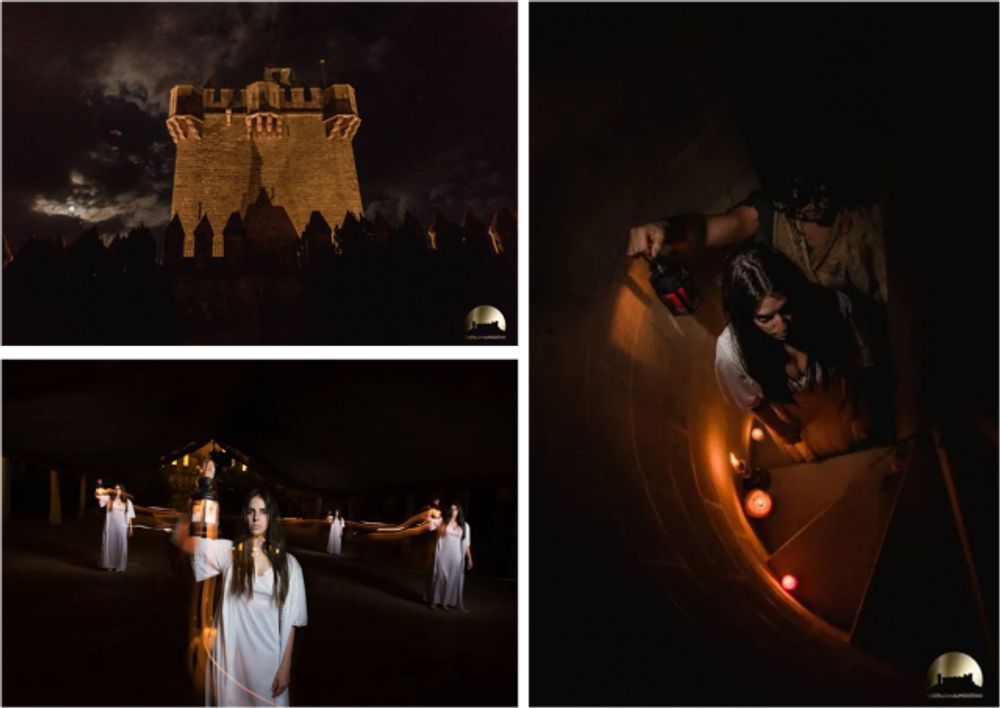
(186, 118)
(476, 236)
(173, 244)
(503, 232)
(318, 238)
(235, 238)
(272, 241)
(444, 235)
(204, 236)
(340, 112)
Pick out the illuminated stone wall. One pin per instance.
(294, 142)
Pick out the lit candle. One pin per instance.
(758, 504)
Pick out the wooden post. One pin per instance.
(83, 496)
(6, 491)
(55, 505)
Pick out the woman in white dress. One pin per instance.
(263, 601)
(336, 522)
(793, 354)
(118, 515)
(452, 557)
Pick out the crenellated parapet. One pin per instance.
(264, 107)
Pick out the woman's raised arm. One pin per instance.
(182, 537)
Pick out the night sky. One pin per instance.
(86, 86)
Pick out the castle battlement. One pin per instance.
(261, 105)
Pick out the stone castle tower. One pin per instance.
(294, 142)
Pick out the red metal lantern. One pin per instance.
(674, 285)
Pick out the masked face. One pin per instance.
(811, 204)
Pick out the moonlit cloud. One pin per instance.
(130, 207)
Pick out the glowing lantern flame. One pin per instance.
(789, 582)
(757, 434)
(758, 504)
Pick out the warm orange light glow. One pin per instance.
(758, 504)
(789, 582)
(757, 434)
(627, 314)
(244, 468)
(739, 465)
(187, 461)
(173, 462)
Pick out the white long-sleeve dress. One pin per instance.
(448, 576)
(333, 545)
(252, 634)
(114, 538)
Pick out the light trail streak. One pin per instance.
(207, 634)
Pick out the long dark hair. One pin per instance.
(123, 497)
(755, 271)
(459, 519)
(242, 579)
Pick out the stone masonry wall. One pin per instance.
(223, 172)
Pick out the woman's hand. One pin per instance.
(468, 562)
(130, 531)
(281, 680)
(647, 239)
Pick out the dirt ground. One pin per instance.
(76, 635)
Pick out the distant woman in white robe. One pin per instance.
(336, 522)
(118, 515)
(263, 601)
(452, 557)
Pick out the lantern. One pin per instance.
(674, 285)
(205, 500)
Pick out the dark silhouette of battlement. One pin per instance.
(485, 330)
(262, 282)
(955, 685)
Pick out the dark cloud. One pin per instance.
(85, 89)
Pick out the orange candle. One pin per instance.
(789, 582)
(758, 504)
